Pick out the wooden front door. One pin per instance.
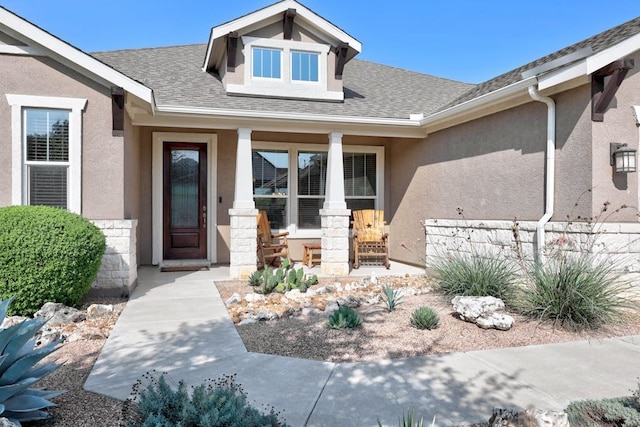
(184, 200)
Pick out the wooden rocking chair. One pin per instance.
(271, 247)
(369, 238)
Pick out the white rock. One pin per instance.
(486, 312)
(98, 310)
(47, 335)
(332, 306)
(10, 321)
(233, 299)
(310, 311)
(5, 422)
(248, 321)
(60, 314)
(254, 297)
(295, 295)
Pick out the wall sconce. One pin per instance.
(623, 158)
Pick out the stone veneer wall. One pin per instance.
(118, 273)
(618, 242)
(335, 241)
(243, 233)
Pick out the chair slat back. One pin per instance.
(264, 227)
(368, 224)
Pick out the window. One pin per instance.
(290, 183)
(304, 66)
(266, 63)
(47, 156)
(46, 135)
(285, 68)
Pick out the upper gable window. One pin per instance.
(266, 63)
(304, 66)
(285, 69)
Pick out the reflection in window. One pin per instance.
(304, 66)
(266, 63)
(271, 184)
(312, 178)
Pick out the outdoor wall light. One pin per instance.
(623, 158)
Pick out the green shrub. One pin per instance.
(47, 254)
(411, 420)
(574, 290)
(18, 401)
(391, 298)
(344, 317)
(218, 403)
(476, 275)
(623, 411)
(425, 318)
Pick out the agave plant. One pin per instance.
(18, 371)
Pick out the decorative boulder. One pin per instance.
(60, 314)
(486, 312)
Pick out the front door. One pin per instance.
(184, 200)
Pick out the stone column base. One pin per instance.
(118, 273)
(335, 241)
(244, 234)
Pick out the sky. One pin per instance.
(465, 40)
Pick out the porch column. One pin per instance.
(334, 216)
(243, 230)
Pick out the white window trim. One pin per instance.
(292, 208)
(285, 86)
(18, 168)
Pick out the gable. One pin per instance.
(284, 50)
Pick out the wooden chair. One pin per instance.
(369, 238)
(271, 247)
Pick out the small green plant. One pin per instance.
(411, 420)
(217, 403)
(344, 317)
(18, 371)
(282, 280)
(576, 291)
(623, 411)
(391, 298)
(425, 318)
(47, 254)
(255, 279)
(476, 275)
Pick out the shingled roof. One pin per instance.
(597, 44)
(371, 90)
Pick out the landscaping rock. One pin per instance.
(248, 321)
(5, 422)
(60, 314)
(13, 320)
(47, 335)
(254, 297)
(99, 310)
(233, 299)
(527, 418)
(486, 312)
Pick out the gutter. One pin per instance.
(550, 167)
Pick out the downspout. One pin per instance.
(550, 167)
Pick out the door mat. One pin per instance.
(174, 268)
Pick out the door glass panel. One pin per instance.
(185, 182)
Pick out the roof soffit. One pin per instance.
(40, 42)
(269, 15)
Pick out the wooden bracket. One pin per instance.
(232, 48)
(341, 58)
(117, 110)
(601, 94)
(289, 15)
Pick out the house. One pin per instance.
(171, 151)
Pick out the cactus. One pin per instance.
(255, 279)
(19, 402)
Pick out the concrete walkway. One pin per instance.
(177, 322)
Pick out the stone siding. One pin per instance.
(335, 241)
(243, 233)
(617, 242)
(119, 270)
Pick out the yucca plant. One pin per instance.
(18, 357)
(392, 298)
(411, 420)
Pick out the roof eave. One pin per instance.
(70, 55)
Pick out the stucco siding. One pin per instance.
(619, 126)
(102, 154)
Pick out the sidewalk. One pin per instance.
(177, 322)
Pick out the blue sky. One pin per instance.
(467, 40)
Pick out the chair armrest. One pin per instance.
(286, 233)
